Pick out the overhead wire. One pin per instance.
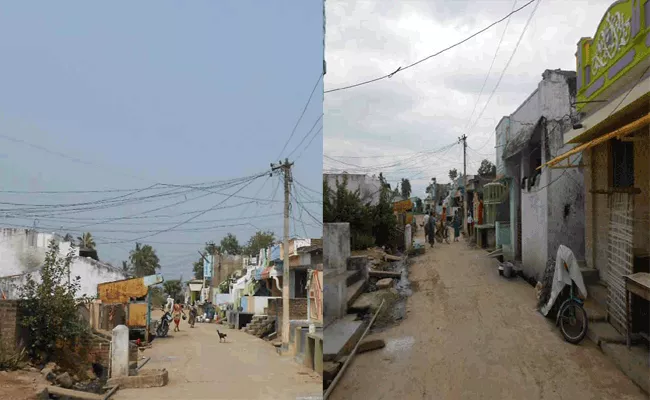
(432, 55)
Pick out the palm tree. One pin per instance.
(68, 238)
(125, 267)
(86, 241)
(144, 260)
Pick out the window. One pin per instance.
(300, 283)
(622, 164)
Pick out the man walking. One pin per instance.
(425, 224)
(431, 224)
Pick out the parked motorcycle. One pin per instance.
(163, 324)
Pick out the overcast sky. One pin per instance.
(122, 94)
(428, 107)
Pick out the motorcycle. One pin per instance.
(163, 324)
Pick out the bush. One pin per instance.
(50, 307)
(369, 225)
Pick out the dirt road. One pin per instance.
(244, 367)
(470, 334)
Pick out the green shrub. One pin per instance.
(50, 307)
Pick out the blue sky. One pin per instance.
(103, 95)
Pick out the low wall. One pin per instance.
(11, 332)
(256, 304)
(297, 311)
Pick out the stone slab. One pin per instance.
(370, 345)
(634, 362)
(73, 394)
(341, 336)
(384, 283)
(145, 379)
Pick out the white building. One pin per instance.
(23, 251)
(369, 187)
(544, 208)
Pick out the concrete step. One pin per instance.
(603, 332)
(342, 335)
(597, 294)
(353, 277)
(589, 275)
(634, 362)
(355, 291)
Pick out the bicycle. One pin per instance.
(570, 312)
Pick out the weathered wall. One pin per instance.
(642, 200)
(336, 252)
(91, 272)
(23, 250)
(297, 311)
(10, 329)
(597, 177)
(368, 186)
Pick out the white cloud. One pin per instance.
(428, 106)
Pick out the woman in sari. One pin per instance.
(178, 311)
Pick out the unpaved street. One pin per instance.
(470, 334)
(244, 367)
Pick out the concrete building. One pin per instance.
(369, 187)
(613, 94)
(22, 252)
(543, 208)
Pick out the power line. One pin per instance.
(514, 51)
(306, 135)
(433, 55)
(293, 131)
(487, 76)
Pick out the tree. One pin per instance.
(418, 205)
(383, 182)
(50, 307)
(86, 241)
(197, 267)
(487, 169)
(69, 238)
(174, 288)
(126, 268)
(260, 240)
(230, 244)
(144, 260)
(406, 188)
(396, 193)
(453, 174)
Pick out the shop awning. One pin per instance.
(196, 287)
(617, 134)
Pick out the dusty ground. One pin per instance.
(21, 385)
(470, 334)
(244, 367)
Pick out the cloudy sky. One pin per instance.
(405, 125)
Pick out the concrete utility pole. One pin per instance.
(464, 216)
(286, 170)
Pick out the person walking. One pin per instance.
(178, 312)
(456, 224)
(431, 224)
(425, 224)
(193, 313)
(470, 224)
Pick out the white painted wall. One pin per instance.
(23, 252)
(368, 186)
(544, 225)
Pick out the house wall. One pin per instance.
(91, 272)
(23, 250)
(597, 166)
(552, 211)
(368, 186)
(642, 200)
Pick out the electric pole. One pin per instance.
(464, 216)
(286, 170)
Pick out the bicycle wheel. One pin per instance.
(573, 321)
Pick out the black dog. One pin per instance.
(222, 336)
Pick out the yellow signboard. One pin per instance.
(121, 291)
(409, 218)
(402, 206)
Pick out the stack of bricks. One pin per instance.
(297, 310)
(9, 319)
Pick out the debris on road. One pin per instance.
(384, 283)
(370, 345)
